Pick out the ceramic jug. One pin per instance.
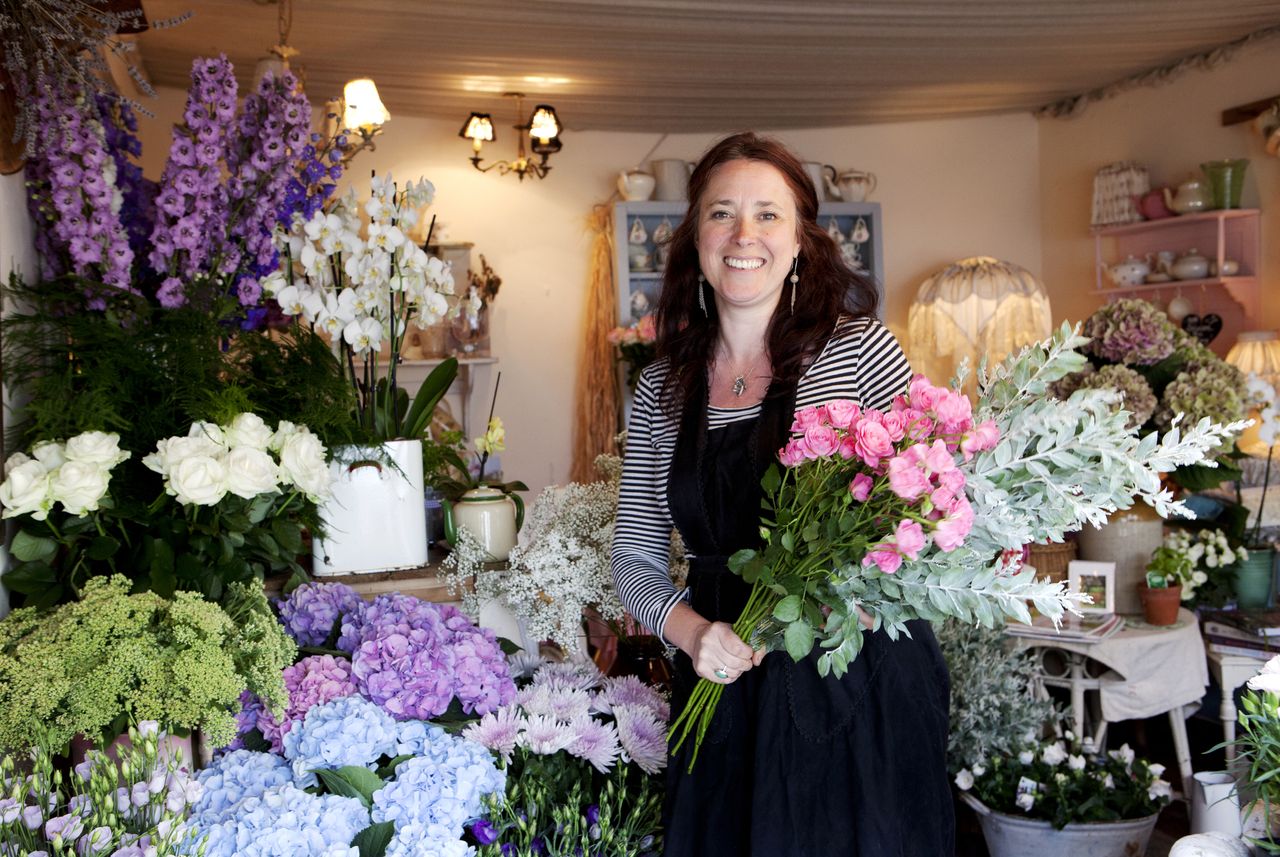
(1190, 266)
(1215, 806)
(856, 185)
(491, 515)
(1193, 195)
(822, 176)
(672, 175)
(635, 185)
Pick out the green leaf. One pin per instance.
(351, 781)
(428, 397)
(29, 548)
(788, 609)
(799, 639)
(260, 507)
(288, 534)
(103, 547)
(788, 542)
(31, 578)
(162, 565)
(373, 840)
(509, 647)
(771, 480)
(388, 770)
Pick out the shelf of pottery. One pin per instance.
(1201, 268)
(642, 230)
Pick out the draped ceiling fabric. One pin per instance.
(718, 65)
(975, 308)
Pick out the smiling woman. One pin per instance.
(759, 315)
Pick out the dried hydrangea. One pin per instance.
(1135, 393)
(1130, 331)
(1213, 389)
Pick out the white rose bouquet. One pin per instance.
(236, 499)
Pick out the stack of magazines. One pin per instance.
(1251, 633)
(1090, 628)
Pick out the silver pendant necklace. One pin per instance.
(741, 378)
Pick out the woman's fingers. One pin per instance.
(720, 655)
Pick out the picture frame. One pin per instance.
(1097, 579)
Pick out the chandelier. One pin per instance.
(543, 130)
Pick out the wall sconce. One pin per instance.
(543, 130)
(360, 114)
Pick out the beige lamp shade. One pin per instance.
(975, 308)
(364, 108)
(1256, 352)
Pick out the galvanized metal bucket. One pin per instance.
(1011, 836)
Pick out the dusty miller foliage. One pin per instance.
(993, 707)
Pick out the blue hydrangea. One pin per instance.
(442, 787)
(234, 777)
(347, 731)
(285, 821)
(421, 840)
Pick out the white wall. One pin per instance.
(1170, 129)
(17, 253)
(949, 189)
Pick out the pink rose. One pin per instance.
(647, 328)
(871, 441)
(821, 440)
(860, 487)
(842, 412)
(923, 394)
(795, 452)
(909, 537)
(954, 528)
(938, 459)
(806, 418)
(983, 437)
(848, 447)
(895, 425)
(954, 411)
(906, 479)
(919, 426)
(887, 560)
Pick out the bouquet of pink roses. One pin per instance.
(921, 511)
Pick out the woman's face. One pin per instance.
(748, 233)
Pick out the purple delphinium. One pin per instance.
(313, 179)
(413, 657)
(272, 138)
(310, 610)
(138, 212)
(72, 191)
(188, 240)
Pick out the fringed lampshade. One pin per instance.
(1256, 352)
(975, 308)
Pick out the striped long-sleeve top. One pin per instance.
(862, 361)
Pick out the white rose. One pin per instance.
(248, 430)
(964, 780)
(208, 431)
(1075, 763)
(198, 480)
(251, 472)
(173, 450)
(26, 491)
(79, 485)
(1026, 757)
(301, 458)
(1054, 754)
(284, 431)
(1025, 801)
(96, 447)
(50, 453)
(16, 460)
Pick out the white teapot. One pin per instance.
(1190, 266)
(636, 185)
(1131, 272)
(491, 515)
(856, 185)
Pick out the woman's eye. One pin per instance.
(719, 215)
(768, 215)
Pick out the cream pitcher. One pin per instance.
(491, 515)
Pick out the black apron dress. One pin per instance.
(793, 764)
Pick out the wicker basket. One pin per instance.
(1051, 560)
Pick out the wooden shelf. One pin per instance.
(1243, 290)
(1164, 223)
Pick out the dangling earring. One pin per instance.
(702, 300)
(795, 278)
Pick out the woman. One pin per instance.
(759, 315)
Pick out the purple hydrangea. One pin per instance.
(310, 610)
(1131, 331)
(413, 657)
(311, 681)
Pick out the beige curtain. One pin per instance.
(596, 397)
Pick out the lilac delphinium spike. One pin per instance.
(137, 213)
(72, 181)
(189, 239)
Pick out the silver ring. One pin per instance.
(722, 673)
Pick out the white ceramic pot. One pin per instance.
(376, 519)
(491, 515)
(1012, 836)
(1128, 539)
(636, 185)
(672, 175)
(1190, 266)
(856, 185)
(1131, 272)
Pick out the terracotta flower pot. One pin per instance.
(1160, 606)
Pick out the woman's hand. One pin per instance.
(718, 654)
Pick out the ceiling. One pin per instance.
(709, 65)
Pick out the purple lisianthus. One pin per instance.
(484, 832)
(310, 611)
(311, 681)
(413, 657)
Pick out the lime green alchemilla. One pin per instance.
(91, 665)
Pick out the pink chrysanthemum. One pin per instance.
(583, 675)
(642, 736)
(499, 731)
(629, 690)
(545, 735)
(594, 741)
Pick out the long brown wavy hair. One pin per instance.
(827, 288)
